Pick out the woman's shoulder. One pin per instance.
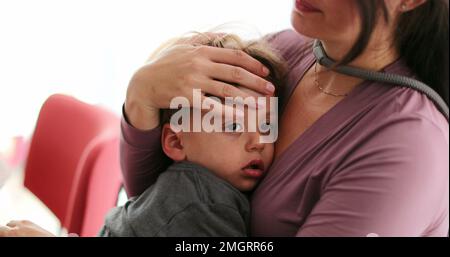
(420, 113)
(405, 103)
(403, 115)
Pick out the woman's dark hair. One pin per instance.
(421, 39)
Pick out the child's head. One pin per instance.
(238, 157)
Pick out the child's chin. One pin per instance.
(246, 186)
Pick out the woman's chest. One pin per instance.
(303, 109)
(307, 153)
(284, 200)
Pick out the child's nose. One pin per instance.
(254, 142)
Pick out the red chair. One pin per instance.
(103, 183)
(68, 137)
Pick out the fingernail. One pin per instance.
(270, 88)
(266, 71)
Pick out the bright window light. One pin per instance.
(90, 49)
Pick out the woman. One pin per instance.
(353, 157)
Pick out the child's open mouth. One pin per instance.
(254, 169)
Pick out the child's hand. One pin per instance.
(23, 228)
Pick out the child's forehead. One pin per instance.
(248, 103)
(252, 106)
(251, 116)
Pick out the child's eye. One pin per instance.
(265, 128)
(233, 127)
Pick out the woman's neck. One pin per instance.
(375, 57)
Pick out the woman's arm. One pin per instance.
(142, 158)
(395, 184)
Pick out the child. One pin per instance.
(201, 193)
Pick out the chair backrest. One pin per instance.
(102, 187)
(65, 138)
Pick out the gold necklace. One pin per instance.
(316, 81)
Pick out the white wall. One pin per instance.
(90, 48)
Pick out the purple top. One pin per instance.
(377, 162)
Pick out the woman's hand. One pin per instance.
(23, 228)
(182, 68)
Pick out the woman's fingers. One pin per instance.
(215, 88)
(222, 90)
(4, 231)
(235, 58)
(239, 95)
(13, 223)
(237, 66)
(241, 76)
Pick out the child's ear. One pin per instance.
(171, 144)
